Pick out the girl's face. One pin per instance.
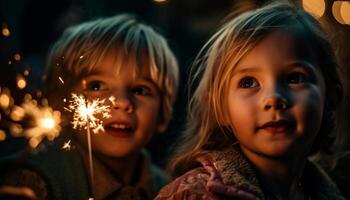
(276, 97)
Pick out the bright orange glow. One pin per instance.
(315, 7)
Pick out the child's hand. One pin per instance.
(12, 192)
(216, 185)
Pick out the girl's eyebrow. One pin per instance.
(247, 70)
(310, 68)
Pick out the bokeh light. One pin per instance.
(4, 101)
(2, 135)
(314, 7)
(17, 57)
(160, 1)
(5, 31)
(341, 11)
(21, 82)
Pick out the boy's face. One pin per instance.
(135, 114)
(276, 98)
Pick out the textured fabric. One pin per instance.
(62, 175)
(234, 169)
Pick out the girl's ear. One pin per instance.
(161, 126)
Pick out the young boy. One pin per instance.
(112, 57)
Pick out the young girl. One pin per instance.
(265, 102)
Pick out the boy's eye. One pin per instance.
(141, 90)
(96, 86)
(248, 82)
(296, 78)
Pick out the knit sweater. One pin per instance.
(233, 168)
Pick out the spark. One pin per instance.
(61, 80)
(66, 145)
(112, 99)
(85, 111)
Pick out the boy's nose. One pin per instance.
(124, 103)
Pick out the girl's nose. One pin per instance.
(124, 103)
(276, 100)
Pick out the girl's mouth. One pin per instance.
(275, 127)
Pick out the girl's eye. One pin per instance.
(141, 90)
(296, 78)
(96, 86)
(248, 82)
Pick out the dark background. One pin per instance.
(187, 24)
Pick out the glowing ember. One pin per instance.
(112, 99)
(61, 80)
(66, 146)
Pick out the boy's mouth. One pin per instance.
(119, 129)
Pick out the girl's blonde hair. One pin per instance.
(82, 46)
(208, 125)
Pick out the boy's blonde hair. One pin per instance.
(81, 47)
(208, 125)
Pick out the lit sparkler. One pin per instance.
(85, 111)
(85, 117)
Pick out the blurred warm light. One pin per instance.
(16, 130)
(39, 93)
(26, 72)
(159, 1)
(4, 101)
(21, 82)
(27, 97)
(17, 57)
(47, 122)
(34, 142)
(2, 135)
(17, 113)
(314, 7)
(5, 31)
(9, 62)
(341, 11)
